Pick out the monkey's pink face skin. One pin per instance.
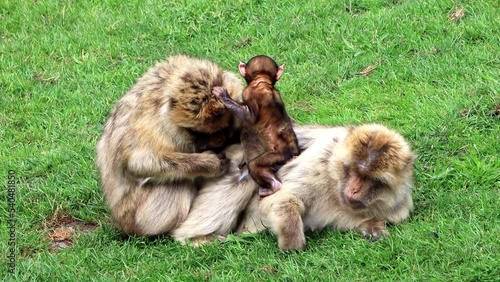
(355, 191)
(359, 191)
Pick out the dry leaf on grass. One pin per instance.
(368, 70)
(269, 269)
(458, 14)
(496, 112)
(245, 42)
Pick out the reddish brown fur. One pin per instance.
(267, 135)
(314, 184)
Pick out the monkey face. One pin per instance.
(361, 191)
(376, 161)
(199, 112)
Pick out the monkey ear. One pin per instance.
(280, 72)
(243, 69)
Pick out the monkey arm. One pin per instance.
(174, 165)
(242, 111)
(284, 212)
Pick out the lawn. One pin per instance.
(429, 69)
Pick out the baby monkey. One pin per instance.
(267, 136)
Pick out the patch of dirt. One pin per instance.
(62, 228)
(368, 70)
(496, 111)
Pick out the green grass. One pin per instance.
(63, 64)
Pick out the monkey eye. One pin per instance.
(378, 184)
(347, 170)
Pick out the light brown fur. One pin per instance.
(313, 192)
(153, 150)
(318, 189)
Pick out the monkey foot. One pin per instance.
(264, 192)
(204, 240)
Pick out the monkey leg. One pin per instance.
(218, 205)
(284, 212)
(262, 169)
(153, 208)
(174, 165)
(251, 221)
(203, 240)
(216, 209)
(266, 179)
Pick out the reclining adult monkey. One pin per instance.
(347, 178)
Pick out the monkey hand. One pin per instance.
(220, 92)
(220, 164)
(295, 242)
(374, 230)
(224, 163)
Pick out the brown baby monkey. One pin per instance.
(267, 136)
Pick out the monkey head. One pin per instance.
(376, 164)
(193, 106)
(261, 65)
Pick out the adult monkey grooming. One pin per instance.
(153, 150)
(267, 136)
(346, 178)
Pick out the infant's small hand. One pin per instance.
(219, 91)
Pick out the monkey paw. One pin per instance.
(293, 243)
(223, 163)
(204, 240)
(219, 91)
(375, 234)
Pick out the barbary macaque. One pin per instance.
(346, 178)
(352, 178)
(161, 141)
(267, 135)
(160, 176)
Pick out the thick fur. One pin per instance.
(314, 187)
(267, 136)
(312, 195)
(153, 150)
(219, 203)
